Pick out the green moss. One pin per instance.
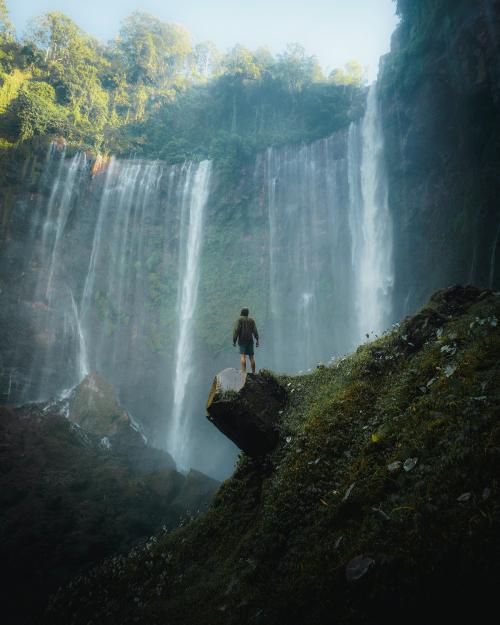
(274, 546)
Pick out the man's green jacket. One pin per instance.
(244, 331)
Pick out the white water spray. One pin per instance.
(82, 358)
(195, 196)
(371, 225)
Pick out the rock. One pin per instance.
(349, 491)
(394, 466)
(246, 409)
(409, 464)
(94, 407)
(358, 567)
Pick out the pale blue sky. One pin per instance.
(334, 30)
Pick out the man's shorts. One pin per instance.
(246, 348)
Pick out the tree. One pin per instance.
(6, 27)
(296, 69)
(154, 51)
(73, 62)
(353, 73)
(204, 60)
(37, 110)
(241, 63)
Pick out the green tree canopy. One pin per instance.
(296, 69)
(240, 62)
(353, 73)
(6, 27)
(151, 91)
(154, 52)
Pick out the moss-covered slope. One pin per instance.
(392, 454)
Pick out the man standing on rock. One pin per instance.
(244, 331)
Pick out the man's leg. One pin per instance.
(252, 362)
(243, 362)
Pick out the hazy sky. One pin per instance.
(334, 30)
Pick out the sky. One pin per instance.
(336, 31)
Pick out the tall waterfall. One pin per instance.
(197, 185)
(46, 243)
(370, 222)
(330, 244)
(309, 262)
(119, 260)
(115, 260)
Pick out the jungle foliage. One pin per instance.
(153, 92)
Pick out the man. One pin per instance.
(244, 331)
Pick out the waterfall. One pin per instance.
(124, 257)
(370, 223)
(307, 203)
(330, 243)
(116, 283)
(115, 266)
(83, 365)
(47, 240)
(195, 197)
(58, 210)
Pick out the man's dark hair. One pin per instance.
(244, 312)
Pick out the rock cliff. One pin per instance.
(440, 101)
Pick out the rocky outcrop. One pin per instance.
(246, 408)
(70, 496)
(93, 406)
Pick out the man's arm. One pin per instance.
(236, 331)
(256, 333)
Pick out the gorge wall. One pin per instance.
(440, 98)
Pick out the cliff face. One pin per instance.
(380, 504)
(73, 494)
(440, 100)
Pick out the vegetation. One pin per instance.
(152, 92)
(381, 503)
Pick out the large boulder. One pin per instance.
(93, 406)
(246, 408)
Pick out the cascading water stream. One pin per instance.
(330, 243)
(83, 363)
(61, 204)
(370, 222)
(116, 271)
(195, 195)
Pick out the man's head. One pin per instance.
(244, 312)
